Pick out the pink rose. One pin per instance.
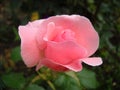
(60, 42)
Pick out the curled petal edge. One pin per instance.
(94, 61)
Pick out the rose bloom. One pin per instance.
(61, 42)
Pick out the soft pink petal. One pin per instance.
(87, 36)
(29, 49)
(39, 65)
(49, 31)
(94, 61)
(65, 35)
(64, 52)
(84, 31)
(52, 65)
(74, 66)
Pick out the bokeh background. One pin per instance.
(105, 16)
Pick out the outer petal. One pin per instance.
(94, 61)
(29, 48)
(84, 31)
(64, 52)
(52, 65)
(75, 66)
(87, 36)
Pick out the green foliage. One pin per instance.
(88, 79)
(34, 87)
(77, 81)
(2, 85)
(65, 82)
(14, 80)
(15, 54)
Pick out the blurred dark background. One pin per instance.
(104, 14)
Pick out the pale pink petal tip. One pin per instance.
(95, 61)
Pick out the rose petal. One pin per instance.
(65, 35)
(64, 52)
(29, 49)
(94, 61)
(40, 64)
(49, 33)
(75, 66)
(87, 36)
(84, 31)
(52, 65)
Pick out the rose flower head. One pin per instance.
(61, 42)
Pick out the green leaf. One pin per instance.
(15, 54)
(65, 82)
(88, 79)
(14, 80)
(2, 85)
(34, 87)
(17, 37)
